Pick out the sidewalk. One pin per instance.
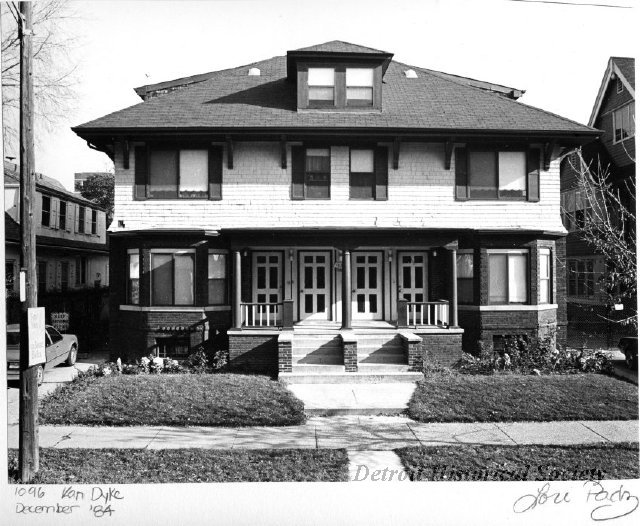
(356, 433)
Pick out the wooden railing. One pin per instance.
(262, 314)
(415, 313)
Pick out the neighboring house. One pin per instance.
(79, 178)
(71, 241)
(335, 211)
(613, 113)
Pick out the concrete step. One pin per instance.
(382, 358)
(296, 377)
(321, 359)
(317, 369)
(383, 367)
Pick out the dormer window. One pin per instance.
(359, 86)
(321, 83)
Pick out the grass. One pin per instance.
(173, 400)
(143, 466)
(467, 462)
(510, 398)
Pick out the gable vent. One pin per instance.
(411, 74)
(254, 72)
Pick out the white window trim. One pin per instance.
(545, 252)
(626, 106)
(174, 252)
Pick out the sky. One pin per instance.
(557, 53)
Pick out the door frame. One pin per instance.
(254, 277)
(329, 277)
(382, 284)
(425, 277)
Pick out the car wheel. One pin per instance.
(40, 374)
(73, 355)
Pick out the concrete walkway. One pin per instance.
(357, 433)
(354, 399)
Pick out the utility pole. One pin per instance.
(29, 454)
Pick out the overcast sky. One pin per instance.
(557, 53)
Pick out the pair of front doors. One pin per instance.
(315, 285)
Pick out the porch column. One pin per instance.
(453, 313)
(346, 289)
(237, 290)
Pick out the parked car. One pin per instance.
(59, 348)
(629, 347)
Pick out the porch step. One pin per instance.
(382, 357)
(313, 358)
(375, 368)
(349, 378)
(317, 369)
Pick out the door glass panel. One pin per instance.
(320, 302)
(262, 298)
(262, 277)
(273, 259)
(406, 259)
(360, 259)
(308, 277)
(373, 277)
(308, 259)
(419, 298)
(373, 303)
(320, 277)
(373, 259)
(418, 283)
(273, 277)
(319, 259)
(308, 303)
(360, 300)
(273, 298)
(360, 277)
(419, 259)
(407, 297)
(261, 259)
(406, 277)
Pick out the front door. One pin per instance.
(367, 286)
(315, 285)
(267, 288)
(412, 272)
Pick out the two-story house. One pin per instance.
(588, 306)
(335, 211)
(71, 239)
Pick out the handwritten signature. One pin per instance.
(609, 504)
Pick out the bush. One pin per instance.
(541, 357)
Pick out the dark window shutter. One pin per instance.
(215, 172)
(533, 175)
(382, 173)
(297, 172)
(140, 176)
(462, 174)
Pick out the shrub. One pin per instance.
(197, 361)
(541, 357)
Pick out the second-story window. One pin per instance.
(81, 217)
(317, 173)
(94, 221)
(46, 210)
(359, 86)
(362, 181)
(321, 83)
(624, 122)
(178, 174)
(62, 221)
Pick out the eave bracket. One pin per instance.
(229, 153)
(396, 153)
(548, 152)
(283, 152)
(125, 153)
(448, 151)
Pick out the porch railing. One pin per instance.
(264, 314)
(415, 313)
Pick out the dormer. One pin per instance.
(338, 76)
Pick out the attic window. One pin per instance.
(321, 86)
(254, 72)
(411, 74)
(619, 85)
(359, 86)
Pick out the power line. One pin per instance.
(572, 3)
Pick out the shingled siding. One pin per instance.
(256, 192)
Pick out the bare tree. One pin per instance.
(54, 74)
(609, 226)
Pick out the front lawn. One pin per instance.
(143, 466)
(511, 397)
(467, 462)
(173, 400)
